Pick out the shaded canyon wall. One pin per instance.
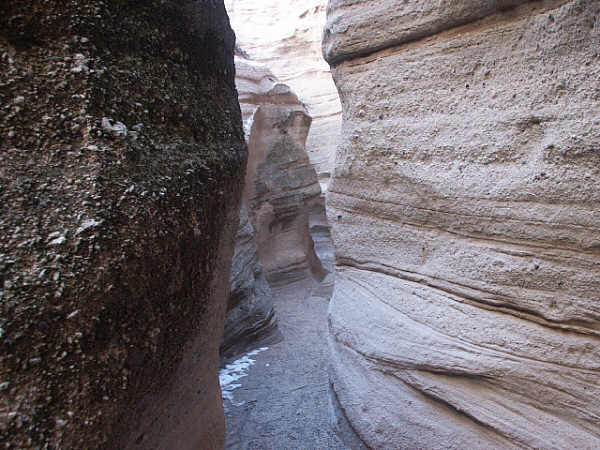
(464, 211)
(122, 162)
(250, 314)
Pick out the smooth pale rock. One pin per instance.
(281, 185)
(250, 315)
(287, 37)
(464, 211)
(115, 245)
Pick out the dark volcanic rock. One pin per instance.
(122, 157)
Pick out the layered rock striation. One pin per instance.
(281, 190)
(287, 37)
(250, 314)
(281, 184)
(464, 210)
(122, 162)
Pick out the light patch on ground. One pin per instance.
(233, 372)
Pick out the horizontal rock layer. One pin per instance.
(393, 23)
(121, 168)
(464, 210)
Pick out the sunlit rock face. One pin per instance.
(250, 314)
(287, 37)
(464, 210)
(281, 185)
(122, 158)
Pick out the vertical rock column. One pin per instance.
(464, 210)
(281, 184)
(122, 157)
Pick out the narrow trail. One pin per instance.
(282, 403)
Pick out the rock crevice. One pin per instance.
(274, 241)
(287, 37)
(281, 184)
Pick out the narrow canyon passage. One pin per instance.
(283, 401)
(462, 308)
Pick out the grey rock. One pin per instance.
(250, 314)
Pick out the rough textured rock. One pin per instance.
(122, 158)
(464, 210)
(281, 185)
(287, 37)
(250, 314)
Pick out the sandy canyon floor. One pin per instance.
(283, 402)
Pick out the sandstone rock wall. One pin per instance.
(122, 158)
(287, 37)
(281, 185)
(464, 210)
(250, 314)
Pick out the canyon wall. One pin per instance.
(464, 211)
(122, 162)
(287, 37)
(250, 314)
(273, 241)
(281, 184)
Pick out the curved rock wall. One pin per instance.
(122, 158)
(281, 184)
(250, 315)
(287, 37)
(464, 211)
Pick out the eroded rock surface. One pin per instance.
(287, 37)
(250, 314)
(464, 210)
(122, 158)
(281, 185)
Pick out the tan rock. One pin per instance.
(393, 23)
(281, 184)
(287, 37)
(464, 210)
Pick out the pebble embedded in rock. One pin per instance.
(117, 130)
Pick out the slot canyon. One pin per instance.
(250, 224)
